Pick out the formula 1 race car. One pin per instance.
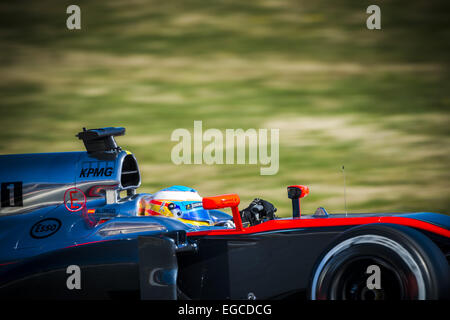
(68, 231)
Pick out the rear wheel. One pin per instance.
(381, 262)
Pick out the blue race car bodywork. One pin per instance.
(60, 210)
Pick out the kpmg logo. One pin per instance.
(95, 169)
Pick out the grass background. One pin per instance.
(376, 101)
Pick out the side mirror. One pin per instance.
(295, 193)
(224, 201)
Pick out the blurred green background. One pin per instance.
(376, 101)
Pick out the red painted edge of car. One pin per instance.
(299, 223)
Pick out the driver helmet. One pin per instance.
(180, 202)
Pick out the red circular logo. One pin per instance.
(74, 199)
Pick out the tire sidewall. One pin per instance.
(401, 246)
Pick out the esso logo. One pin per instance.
(45, 228)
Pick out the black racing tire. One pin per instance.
(410, 265)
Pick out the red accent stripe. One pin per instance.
(82, 244)
(298, 223)
(6, 263)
